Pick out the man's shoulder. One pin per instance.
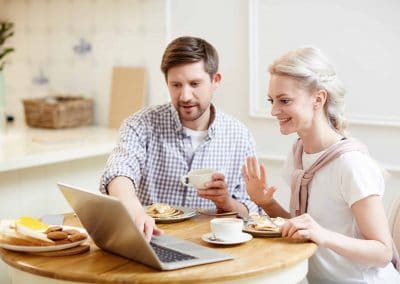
(154, 110)
(151, 113)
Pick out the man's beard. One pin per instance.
(192, 117)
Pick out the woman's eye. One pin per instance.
(270, 101)
(284, 101)
(194, 84)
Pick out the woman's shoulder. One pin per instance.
(357, 159)
(358, 165)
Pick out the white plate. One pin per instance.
(187, 214)
(244, 237)
(47, 248)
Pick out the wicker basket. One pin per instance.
(58, 111)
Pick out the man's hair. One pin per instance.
(185, 50)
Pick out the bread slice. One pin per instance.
(36, 237)
(14, 234)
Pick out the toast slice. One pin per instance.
(14, 234)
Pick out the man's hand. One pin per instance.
(145, 224)
(217, 191)
(123, 189)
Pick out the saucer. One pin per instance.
(244, 237)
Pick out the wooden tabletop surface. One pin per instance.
(254, 258)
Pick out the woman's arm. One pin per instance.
(256, 185)
(374, 250)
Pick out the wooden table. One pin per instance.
(261, 260)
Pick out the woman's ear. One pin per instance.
(320, 98)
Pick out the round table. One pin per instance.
(261, 260)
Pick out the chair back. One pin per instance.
(394, 221)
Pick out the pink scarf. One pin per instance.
(301, 178)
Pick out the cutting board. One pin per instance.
(65, 252)
(128, 93)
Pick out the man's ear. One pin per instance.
(320, 98)
(216, 80)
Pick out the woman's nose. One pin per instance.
(274, 110)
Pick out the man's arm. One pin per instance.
(122, 188)
(123, 171)
(218, 191)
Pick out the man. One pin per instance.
(160, 144)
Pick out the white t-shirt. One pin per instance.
(196, 136)
(333, 189)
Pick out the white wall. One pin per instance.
(47, 34)
(225, 24)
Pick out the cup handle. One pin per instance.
(185, 180)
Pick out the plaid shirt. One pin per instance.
(154, 152)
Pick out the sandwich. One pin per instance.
(162, 210)
(263, 223)
(25, 231)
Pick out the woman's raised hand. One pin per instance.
(255, 178)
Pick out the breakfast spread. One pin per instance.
(263, 223)
(162, 210)
(28, 231)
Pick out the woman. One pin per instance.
(336, 187)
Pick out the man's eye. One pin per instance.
(194, 84)
(176, 85)
(285, 101)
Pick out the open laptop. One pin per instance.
(109, 225)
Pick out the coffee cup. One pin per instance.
(226, 229)
(197, 178)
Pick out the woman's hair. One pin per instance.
(313, 71)
(184, 50)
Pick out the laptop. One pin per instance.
(109, 225)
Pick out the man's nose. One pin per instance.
(186, 93)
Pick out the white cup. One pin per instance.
(226, 229)
(197, 178)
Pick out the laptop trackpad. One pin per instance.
(183, 246)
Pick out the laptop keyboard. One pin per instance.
(169, 255)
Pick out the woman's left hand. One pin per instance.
(304, 227)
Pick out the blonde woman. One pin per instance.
(336, 188)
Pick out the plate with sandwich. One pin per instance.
(27, 234)
(263, 226)
(164, 213)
